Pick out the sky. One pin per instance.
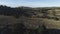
(31, 3)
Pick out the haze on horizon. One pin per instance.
(31, 3)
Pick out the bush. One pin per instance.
(21, 29)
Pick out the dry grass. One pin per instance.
(30, 22)
(50, 23)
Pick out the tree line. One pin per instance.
(17, 11)
(23, 11)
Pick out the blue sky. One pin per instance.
(31, 3)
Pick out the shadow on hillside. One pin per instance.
(21, 29)
(52, 31)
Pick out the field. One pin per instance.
(28, 20)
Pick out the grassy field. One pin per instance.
(35, 22)
(30, 22)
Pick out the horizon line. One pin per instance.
(30, 6)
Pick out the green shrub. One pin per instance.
(21, 29)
